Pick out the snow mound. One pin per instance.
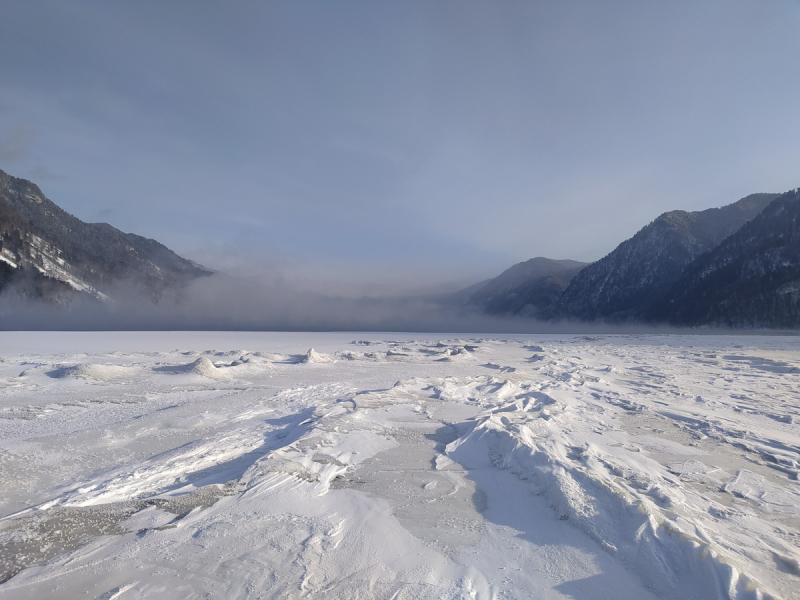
(249, 363)
(457, 353)
(95, 372)
(202, 366)
(271, 356)
(312, 356)
(367, 356)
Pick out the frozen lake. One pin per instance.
(246, 465)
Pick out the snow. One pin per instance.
(48, 261)
(4, 256)
(277, 465)
(312, 356)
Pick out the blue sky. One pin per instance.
(400, 144)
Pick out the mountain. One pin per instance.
(527, 288)
(625, 283)
(751, 279)
(48, 254)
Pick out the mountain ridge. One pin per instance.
(621, 285)
(527, 288)
(751, 279)
(37, 235)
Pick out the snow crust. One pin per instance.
(398, 466)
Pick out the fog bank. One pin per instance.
(225, 303)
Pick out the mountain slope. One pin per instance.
(527, 288)
(38, 237)
(626, 282)
(752, 279)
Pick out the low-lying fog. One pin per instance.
(225, 302)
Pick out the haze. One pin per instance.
(399, 146)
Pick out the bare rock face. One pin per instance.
(50, 255)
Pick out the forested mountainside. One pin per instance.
(735, 266)
(626, 282)
(751, 279)
(50, 254)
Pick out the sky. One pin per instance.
(397, 146)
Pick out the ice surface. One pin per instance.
(398, 466)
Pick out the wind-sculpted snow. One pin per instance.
(315, 466)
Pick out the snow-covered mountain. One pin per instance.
(751, 279)
(626, 282)
(527, 288)
(48, 254)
